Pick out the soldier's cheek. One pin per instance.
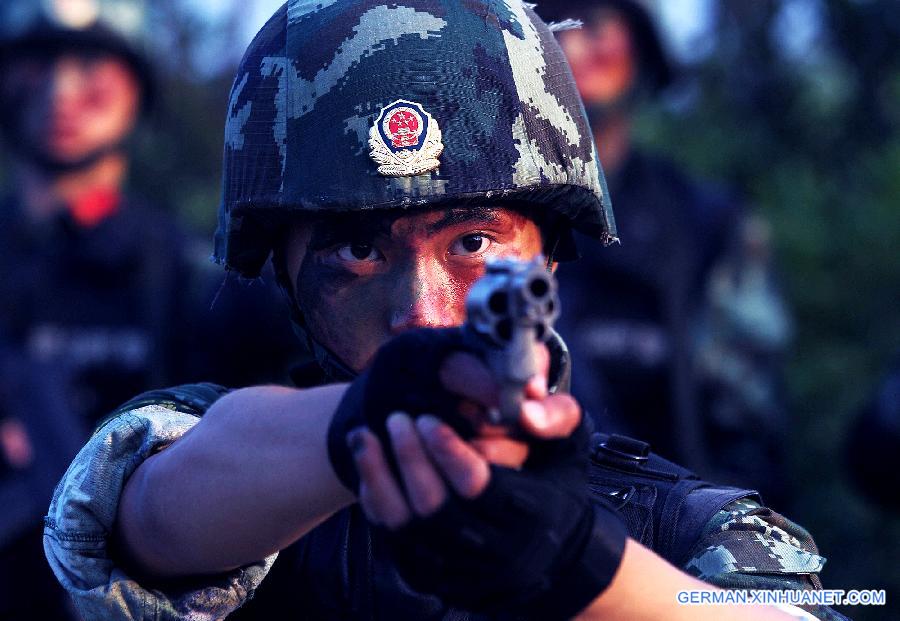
(458, 286)
(343, 313)
(444, 290)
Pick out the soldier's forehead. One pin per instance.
(435, 218)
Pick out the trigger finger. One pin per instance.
(543, 359)
(537, 385)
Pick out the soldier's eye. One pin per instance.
(474, 243)
(358, 251)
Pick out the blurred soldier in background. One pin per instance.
(678, 331)
(97, 298)
(87, 269)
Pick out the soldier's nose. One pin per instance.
(425, 302)
(65, 87)
(427, 311)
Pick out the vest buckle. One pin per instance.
(624, 448)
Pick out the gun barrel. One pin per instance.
(512, 308)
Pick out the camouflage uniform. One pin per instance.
(313, 82)
(747, 546)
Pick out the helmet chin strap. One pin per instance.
(333, 367)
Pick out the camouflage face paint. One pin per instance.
(361, 279)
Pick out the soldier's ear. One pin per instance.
(286, 257)
(279, 266)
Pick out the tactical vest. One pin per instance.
(341, 570)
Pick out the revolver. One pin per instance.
(509, 311)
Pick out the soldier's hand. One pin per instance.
(434, 462)
(434, 372)
(481, 536)
(488, 538)
(543, 416)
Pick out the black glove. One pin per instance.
(533, 545)
(403, 377)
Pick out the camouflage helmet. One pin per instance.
(343, 105)
(654, 61)
(49, 26)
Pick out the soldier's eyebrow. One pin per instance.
(347, 227)
(461, 215)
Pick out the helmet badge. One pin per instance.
(405, 140)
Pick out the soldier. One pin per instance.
(95, 291)
(381, 153)
(94, 277)
(77, 256)
(685, 350)
(89, 270)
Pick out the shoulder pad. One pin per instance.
(193, 399)
(665, 506)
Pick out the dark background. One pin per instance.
(810, 136)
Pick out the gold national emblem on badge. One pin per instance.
(405, 140)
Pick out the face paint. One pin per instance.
(362, 278)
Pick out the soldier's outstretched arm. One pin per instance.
(251, 477)
(214, 481)
(257, 472)
(646, 587)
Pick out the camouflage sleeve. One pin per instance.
(78, 539)
(747, 546)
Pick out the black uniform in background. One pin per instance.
(635, 313)
(872, 448)
(89, 316)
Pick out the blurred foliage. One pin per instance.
(811, 139)
(808, 131)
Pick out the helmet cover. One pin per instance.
(332, 95)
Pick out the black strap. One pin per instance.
(683, 503)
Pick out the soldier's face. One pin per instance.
(602, 57)
(363, 278)
(72, 105)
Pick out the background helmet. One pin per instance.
(322, 79)
(51, 26)
(654, 63)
